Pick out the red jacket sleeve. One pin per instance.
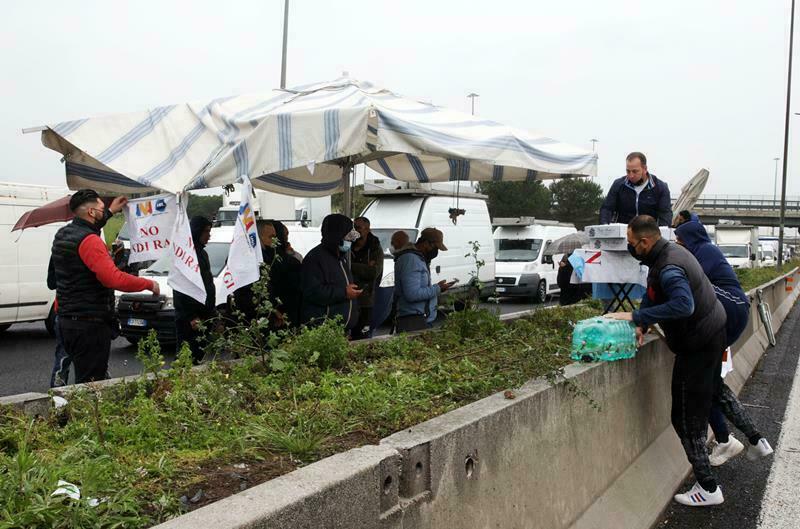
(95, 255)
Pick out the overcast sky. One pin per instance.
(690, 83)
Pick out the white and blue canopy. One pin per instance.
(295, 142)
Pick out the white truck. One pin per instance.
(275, 206)
(521, 268)
(24, 256)
(739, 245)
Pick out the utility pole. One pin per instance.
(786, 139)
(285, 38)
(473, 95)
(775, 189)
(594, 141)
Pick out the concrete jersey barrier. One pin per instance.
(546, 458)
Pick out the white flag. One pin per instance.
(244, 255)
(184, 273)
(150, 222)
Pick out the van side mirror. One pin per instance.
(548, 259)
(752, 257)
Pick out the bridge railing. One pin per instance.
(754, 202)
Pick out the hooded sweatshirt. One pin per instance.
(694, 237)
(186, 307)
(326, 274)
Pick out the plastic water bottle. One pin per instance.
(603, 339)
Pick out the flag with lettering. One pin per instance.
(150, 221)
(244, 255)
(184, 271)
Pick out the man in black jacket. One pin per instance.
(367, 267)
(681, 299)
(637, 193)
(189, 313)
(328, 287)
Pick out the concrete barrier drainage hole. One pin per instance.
(387, 485)
(418, 468)
(469, 466)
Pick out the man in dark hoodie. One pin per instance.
(189, 313)
(681, 299)
(693, 236)
(327, 282)
(367, 267)
(285, 277)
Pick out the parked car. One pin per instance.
(24, 256)
(522, 269)
(138, 313)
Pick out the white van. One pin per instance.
(412, 210)
(24, 256)
(522, 269)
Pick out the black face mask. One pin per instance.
(102, 222)
(431, 255)
(269, 254)
(632, 251)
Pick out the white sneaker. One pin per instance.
(758, 450)
(697, 496)
(722, 452)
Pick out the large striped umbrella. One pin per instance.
(302, 142)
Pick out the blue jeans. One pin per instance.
(60, 374)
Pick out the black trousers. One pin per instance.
(185, 333)
(88, 345)
(696, 383)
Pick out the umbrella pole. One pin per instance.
(347, 197)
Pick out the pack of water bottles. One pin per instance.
(603, 339)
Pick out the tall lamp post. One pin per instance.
(285, 38)
(786, 140)
(472, 96)
(775, 188)
(594, 141)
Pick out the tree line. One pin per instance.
(575, 200)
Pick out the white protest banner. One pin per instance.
(184, 272)
(244, 255)
(150, 221)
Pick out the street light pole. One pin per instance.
(786, 140)
(472, 96)
(775, 188)
(593, 140)
(285, 38)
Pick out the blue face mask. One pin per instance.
(345, 246)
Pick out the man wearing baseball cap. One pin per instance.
(416, 297)
(86, 278)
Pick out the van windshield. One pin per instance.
(734, 251)
(225, 218)
(517, 249)
(217, 255)
(385, 236)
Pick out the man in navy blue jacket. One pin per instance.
(637, 193)
(693, 236)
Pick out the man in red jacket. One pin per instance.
(86, 278)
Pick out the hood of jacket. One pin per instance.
(693, 235)
(334, 228)
(197, 225)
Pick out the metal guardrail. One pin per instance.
(743, 202)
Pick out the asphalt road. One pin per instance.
(742, 481)
(26, 354)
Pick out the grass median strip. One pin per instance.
(149, 450)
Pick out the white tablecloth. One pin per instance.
(606, 266)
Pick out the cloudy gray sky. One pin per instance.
(691, 83)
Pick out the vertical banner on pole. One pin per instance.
(150, 222)
(184, 274)
(244, 256)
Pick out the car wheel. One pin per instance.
(50, 322)
(133, 340)
(4, 327)
(541, 292)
